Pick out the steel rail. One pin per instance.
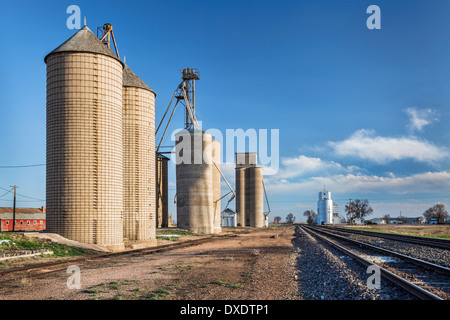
(403, 283)
(432, 242)
(422, 263)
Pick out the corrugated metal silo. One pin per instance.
(139, 159)
(254, 196)
(194, 171)
(216, 186)
(84, 142)
(162, 192)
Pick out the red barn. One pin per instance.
(27, 219)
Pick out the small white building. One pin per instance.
(229, 218)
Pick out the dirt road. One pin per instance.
(253, 264)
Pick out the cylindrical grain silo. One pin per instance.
(254, 196)
(216, 177)
(84, 142)
(240, 196)
(194, 171)
(139, 159)
(162, 192)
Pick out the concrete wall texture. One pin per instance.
(139, 164)
(195, 211)
(84, 148)
(216, 156)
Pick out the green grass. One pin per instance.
(227, 284)
(176, 231)
(168, 238)
(20, 243)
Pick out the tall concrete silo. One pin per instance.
(243, 161)
(162, 191)
(194, 173)
(254, 197)
(216, 181)
(84, 142)
(139, 159)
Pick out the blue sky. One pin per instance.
(364, 113)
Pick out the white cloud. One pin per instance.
(429, 182)
(301, 165)
(419, 118)
(365, 144)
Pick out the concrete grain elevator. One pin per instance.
(101, 166)
(249, 191)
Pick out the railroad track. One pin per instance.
(420, 278)
(11, 276)
(431, 242)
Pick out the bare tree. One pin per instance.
(311, 216)
(290, 218)
(437, 211)
(359, 209)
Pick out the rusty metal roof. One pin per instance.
(21, 210)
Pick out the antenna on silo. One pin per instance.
(84, 20)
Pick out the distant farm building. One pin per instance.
(27, 219)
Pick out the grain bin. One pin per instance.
(84, 177)
(216, 181)
(162, 191)
(194, 170)
(254, 197)
(139, 159)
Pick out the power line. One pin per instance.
(21, 195)
(6, 193)
(23, 166)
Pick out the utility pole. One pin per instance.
(14, 207)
